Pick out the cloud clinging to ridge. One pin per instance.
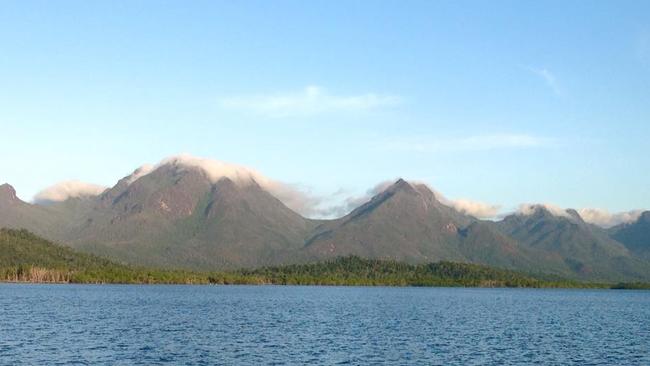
(352, 202)
(68, 189)
(303, 201)
(528, 209)
(596, 216)
(310, 101)
(295, 197)
(606, 219)
(469, 207)
(477, 209)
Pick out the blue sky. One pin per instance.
(502, 102)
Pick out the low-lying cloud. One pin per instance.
(606, 219)
(480, 210)
(68, 189)
(301, 200)
(352, 202)
(310, 101)
(477, 209)
(213, 169)
(596, 216)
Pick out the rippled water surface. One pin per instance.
(247, 325)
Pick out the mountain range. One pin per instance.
(180, 215)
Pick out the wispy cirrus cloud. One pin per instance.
(468, 143)
(550, 79)
(309, 101)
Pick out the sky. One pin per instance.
(501, 102)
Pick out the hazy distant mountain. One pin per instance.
(183, 214)
(15, 213)
(565, 243)
(635, 235)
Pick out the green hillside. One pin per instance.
(25, 257)
(357, 271)
(178, 217)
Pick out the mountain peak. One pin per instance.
(575, 215)
(540, 210)
(215, 170)
(401, 185)
(7, 193)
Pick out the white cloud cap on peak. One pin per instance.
(528, 209)
(215, 169)
(291, 195)
(68, 189)
(596, 216)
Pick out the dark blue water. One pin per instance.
(244, 325)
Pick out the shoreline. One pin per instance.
(591, 286)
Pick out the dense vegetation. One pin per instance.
(24, 257)
(369, 272)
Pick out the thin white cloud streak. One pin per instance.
(310, 101)
(68, 189)
(468, 143)
(550, 79)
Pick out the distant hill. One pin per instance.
(635, 235)
(180, 215)
(566, 245)
(404, 222)
(15, 213)
(25, 257)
